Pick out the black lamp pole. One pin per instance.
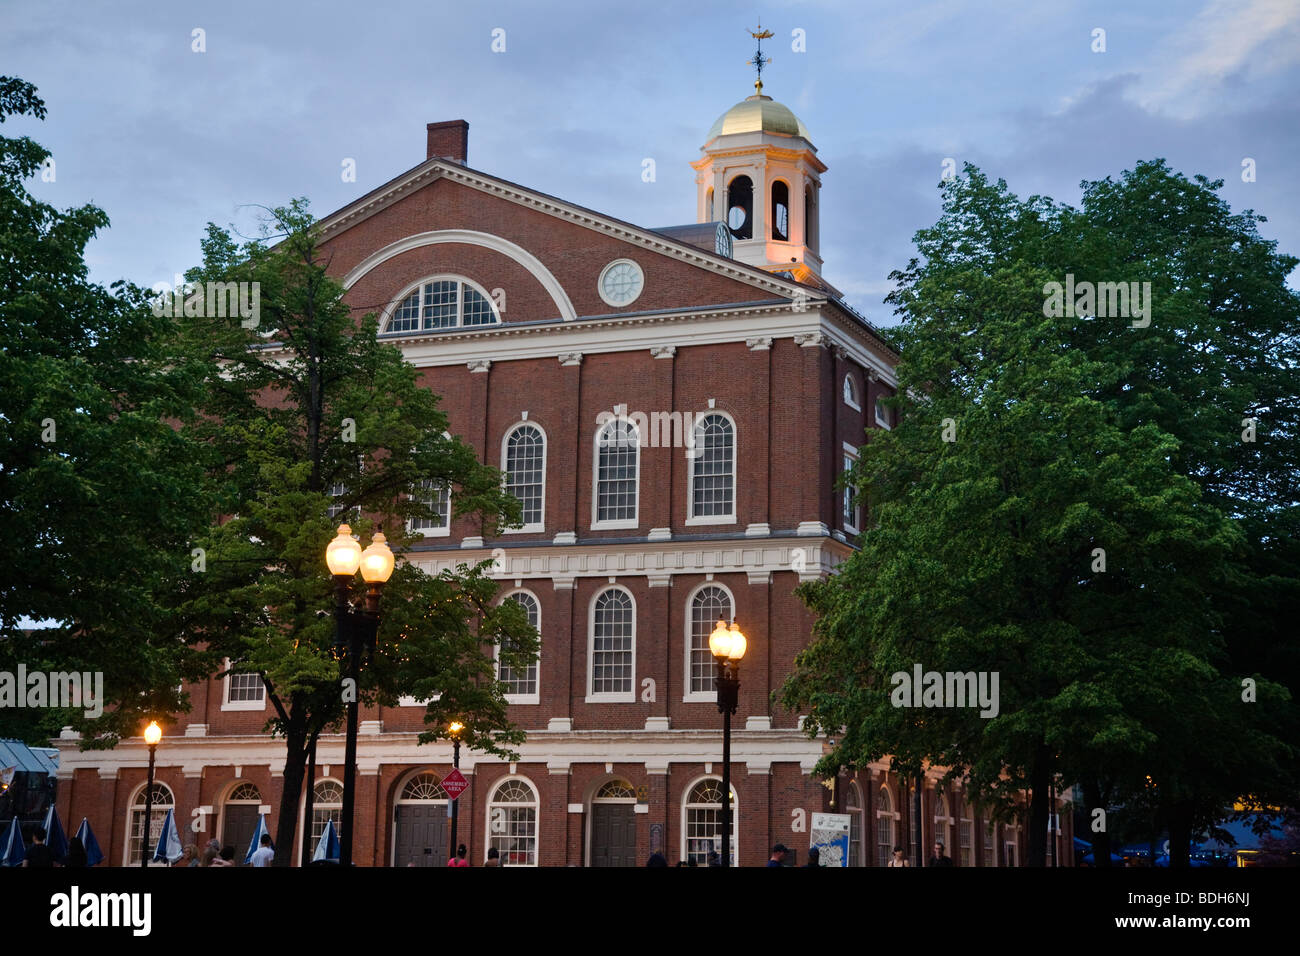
(455, 804)
(920, 833)
(148, 808)
(728, 684)
(357, 632)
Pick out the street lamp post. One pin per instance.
(152, 734)
(455, 730)
(356, 633)
(727, 646)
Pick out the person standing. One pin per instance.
(211, 854)
(814, 859)
(938, 859)
(459, 858)
(38, 854)
(264, 855)
(778, 855)
(76, 854)
(898, 858)
(493, 857)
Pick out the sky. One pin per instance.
(165, 138)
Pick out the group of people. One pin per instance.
(39, 855)
(493, 857)
(217, 855)
(937, 858)
(780, 851)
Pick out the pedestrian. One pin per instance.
(211, 854)
(778, 855)
(76, 854)
(493, 857)
(938, 858)
(226, 858)
(656, 861)
(459, 858)
(38, 854)
(264, 855)
(714, 858)
(814, 858)
(189, 856)
(898, 858)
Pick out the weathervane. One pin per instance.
(759, 61)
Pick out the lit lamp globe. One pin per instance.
(720, 640)
(343, 554)
(455, 728)
(152, 733)
(377, 561)
(738, 643)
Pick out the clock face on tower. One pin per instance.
(722, 241)
(621, 282)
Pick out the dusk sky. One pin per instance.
(165, 139)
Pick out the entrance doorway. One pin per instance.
(420, 823)
(613, 825)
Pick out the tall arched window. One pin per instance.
(966, 834)
(942, 824)
(521, 683)
(613, 646)
(239, 818)
(327, 804)
(886, 825)
(713, 471)
(523, 459)
(702, 822)
(740, 207)
(707, 605)
(780, 211)
(162, 802)
(851, 392)
(853, 807)
(442, 302)
(989, 846)
(512, 822)
(618, 462)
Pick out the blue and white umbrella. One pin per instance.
(87, 837)
(327, 847)
(169, 842)
(12, 852)
(256, 842)
(55, 838)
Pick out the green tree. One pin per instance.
(305, 402)
(100, 495)
(1028, 520)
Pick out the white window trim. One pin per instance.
(949, 823)
(686, 805)
(387, 316)
(228, 704)
(854, 526)
(616, 697)
(691, 517)
(305, 823)
(895, 817)
(882, 422)
(700, 696)
(620, 523)
(600, 282)
(413, 702)
(534, 698)
(853, 390)
(130, 816)
(443, 532)
(535, 526)
(536, 805)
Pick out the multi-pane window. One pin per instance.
(337, 491)
(853, 807)
(422, 788)
(942, 824)
(851, 393)
(442, 304)
(162, 802)
(245, 688)
(885, 817)
(327, 804)
(713, 471)
(436, 496)
(512, 823)
(613, 632)
(617, 462)
(850, 495)
(882, 413)
(522, 682)
(702, 828)
(966, 836)
(525, 467)
(708, 605)
(987, 850)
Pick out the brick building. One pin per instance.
(567, 346)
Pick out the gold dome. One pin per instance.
(758, 114)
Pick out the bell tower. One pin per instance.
(759, 173)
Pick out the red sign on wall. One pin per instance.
(455, 784)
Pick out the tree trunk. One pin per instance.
(1180, 835)
(1040, 778)
(1100, 840)
(295, 768)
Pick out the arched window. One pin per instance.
(521, 684)
(523, 459)
(882, 413)
(423, 788)
(810, 217)
(988, 848)
(702, 822)
(853, 807)
(707, 605)
(512, 822)
(942, 824)
(162, 802)
(850, 510)
(966, 835)
(618, 462)
(886, 824)
(740, 207)
(613, 645)
(327, 804)
(780, 211)
(851, 392)
(615, 791)
(442, 302)
(713, 471)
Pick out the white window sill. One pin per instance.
(523, 699)
(432, 532)
(615, 525)
(244, 705)
(412, 702)
(853, 405)
(712, 519)
(526, 529)
(885, 425)
(701, 697)
(626, 698)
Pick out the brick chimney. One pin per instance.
(449, 140)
